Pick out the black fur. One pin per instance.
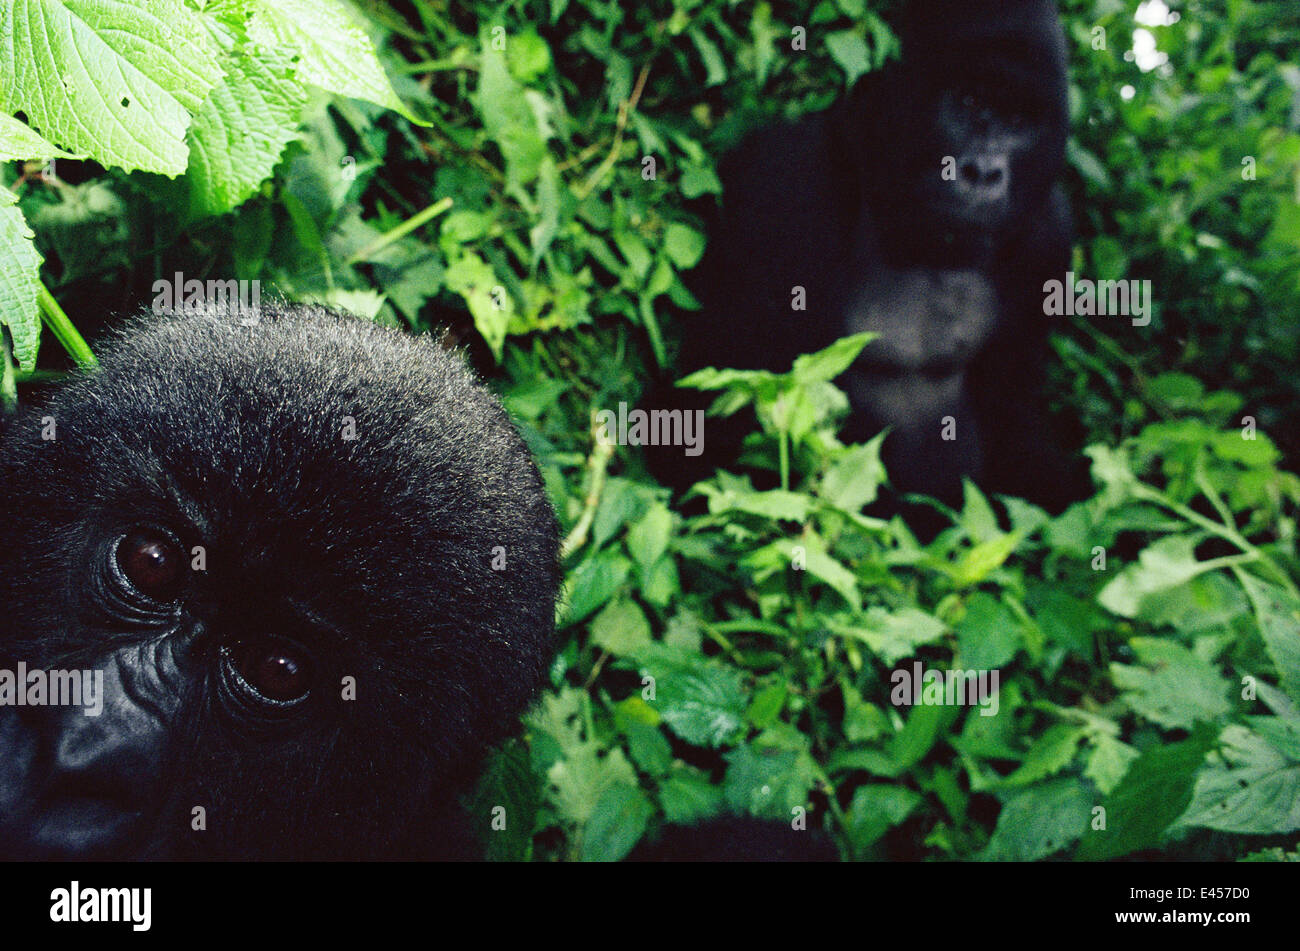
(374, 555)
(853, 206)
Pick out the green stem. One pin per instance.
(783, 447)
(64, 332)
(725, 644)
(651, 324)
(417, 220)
(832, 802)
(598, 465)
(1227, 533)
(8, 385)
(750, 626)
(437, 66)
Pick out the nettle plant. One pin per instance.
(742, 659)
(212, 92)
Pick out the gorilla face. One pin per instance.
(991, 136)
(975, 115)
(315, 568)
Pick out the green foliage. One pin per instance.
(772, 660)
(737, 653)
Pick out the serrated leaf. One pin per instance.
(688, 798)
(660, 583)
(776, 504)
(616, 824)
(543, 232)
(876, 808)
(508, 119)
(982, 560)
(593, 582)
(768, 782)
(335, 54)
(650, 749)
(113, 80)
(919, 734)
(1173, 687)
(1155, 791)
(473, 279)
(240, 131)
(1277, 612)
(854, 478)
(1051, 753)
(509, 790)
(894, 635)
(1040, 821)
(703, 702)
(1160, 567)
(712, 378)
(623, 501)
(620, 628)
(825, 365)
(988, 636)
(647, 540)
(581, 778)
(1109, 761)
(767, 705)
(558, 716)
(20, 265)
(1247, 787)
(20, 143)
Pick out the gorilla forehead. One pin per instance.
(240, 421)
(309, 452)
(1004, 41)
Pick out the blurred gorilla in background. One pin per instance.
(923, 206)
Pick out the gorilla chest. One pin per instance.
(932, 324)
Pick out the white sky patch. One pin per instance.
(1145, 53)
(1155, 13)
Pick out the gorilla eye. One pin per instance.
(153, 562)
(274, 670)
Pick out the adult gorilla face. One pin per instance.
(315, 567)
(975, 115)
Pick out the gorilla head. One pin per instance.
(980, 94)
(312, 562)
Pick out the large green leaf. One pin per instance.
(240, 131)
(334, 52)
(20, 264)
(112, 79)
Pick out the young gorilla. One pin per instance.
(922, 207)
(316, 566)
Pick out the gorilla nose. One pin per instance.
(985, 176)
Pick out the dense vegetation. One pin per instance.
(531, 180)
